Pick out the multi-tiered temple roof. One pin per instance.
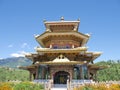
(62, 44)
(63, 33)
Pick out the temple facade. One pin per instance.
(62, 54)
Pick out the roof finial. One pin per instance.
(44, 20)
(62, 18)
(78, 19)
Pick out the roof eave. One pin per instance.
(71, 50)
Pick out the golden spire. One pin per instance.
(62, 18)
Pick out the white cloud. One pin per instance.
(18, 54)
(25, 45)
(1, 58)
(10, 46)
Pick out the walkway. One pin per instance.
(59, 87)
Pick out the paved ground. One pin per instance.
(59, 87)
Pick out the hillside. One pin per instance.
(9, 70)
(111, 73)
(7, 74)
(14, 62)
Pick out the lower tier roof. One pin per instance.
(70, 50)
(90, 66)
(77, 54)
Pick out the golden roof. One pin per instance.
(79, 54)
(74, 24)
(96, 67)
(70, 50)
(40, 38)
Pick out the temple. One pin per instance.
(62, 54)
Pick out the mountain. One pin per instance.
(14, 62)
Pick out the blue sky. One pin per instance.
(20, 20)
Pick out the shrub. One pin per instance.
(100, 86)
(28, 86)
(115, 87)
(6, 86)
(20, 86)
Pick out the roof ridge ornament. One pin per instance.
(78, 19)
(62, 18)
(44, 20)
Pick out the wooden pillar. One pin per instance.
(75, 73)
(95, 76)
(88, 73)
(30, 76)
(50, 45)
(73, 46)
(36, 76)
(81, 72)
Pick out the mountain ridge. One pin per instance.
(14, 62)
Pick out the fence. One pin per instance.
(74, 83)
(48, 83)
(77, 83)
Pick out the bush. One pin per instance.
(99, 87)
(21, 86)
(6, 86)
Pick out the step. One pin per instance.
(59, 87)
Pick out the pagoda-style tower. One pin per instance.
(63, 54)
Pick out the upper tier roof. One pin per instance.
(60, 29)
(82, 38)
(62, 25)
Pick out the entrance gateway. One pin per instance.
(61, 77)
(62, 53)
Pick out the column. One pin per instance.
(75, 28)
(73, 46)
(75, 73)
(88, 73)
(36, 77)
(95, 76)
(81, 73)
(30, 77)
(50, 45)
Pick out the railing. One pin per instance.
(77, 83)
(48, 83)
(74, 83)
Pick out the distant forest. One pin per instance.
(111, 73)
